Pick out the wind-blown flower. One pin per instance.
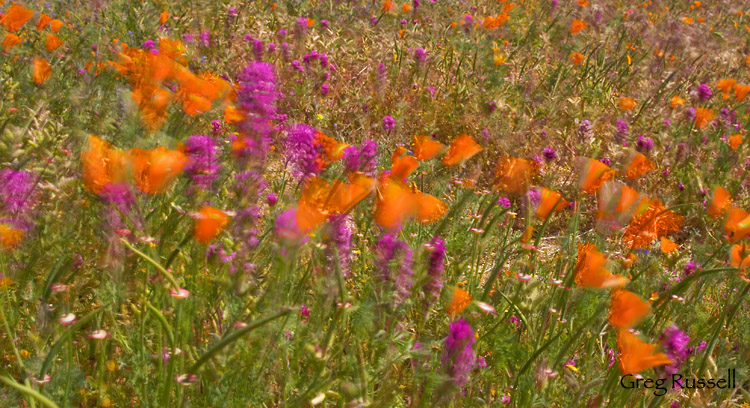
(675, 343)
(435, 270)
(458, 353)
(203, 165)
(389, 250)
(301, 152)
(16, 189)
(339, 237)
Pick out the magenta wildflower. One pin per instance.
(392, 252)
(675, 343)
(389, 123)
(340, 237)
(287, 229)
(458, 354)
(205, 38)
(703, 92)
(622, 131)
(203, 165)
(549, 154)
(690, 114)
(258, 49)
(504, 202)
(644, 144)
(606, 161)
(300, 150)
(324, 89)
(435, 270)
(585, 129)
(420, 55)
(16, 189)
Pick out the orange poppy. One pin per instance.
(9, 237)
(638, 165)
(55, 25)
(626, 309)
(152, 102)
(576, 58)
(514, 175)
(233, 115)
(460, 300)
(667, 245)
(194, 104)
(425, 148)
(403, 166)
(16, 17)
(163, 17)
(209, 223)
(428, 207)
(332, 148)
(549, 201)
(635, 355)
(461, 149)
(53, 42)
(340, 197)
(594, 174)
(726, 86)
(10, 41)
(626, 104)
(172, 49)
(720, 201)
(44, 21)
(155, 169)
(651, 223)
(41, 70)
(740, 256)
(676, 101)
(740, 92)
(387, 6)
(405, 8)
(102, 164)
(590, 270)
(577, 25)
(394, 204)
(737, 224)
(703, 117)
(735, 141)
(617, 203)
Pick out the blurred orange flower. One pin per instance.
(703, 116)
(460, 300)
(651, 224)
(16, 17)
(635, 355)
(638, 165)
(626, 309)
(593, 175)
(52, 42)
(577, 25)
(720, 201)
(102, 164)
(9, 237)
(626, 104)
(514, 175)
(155, 169)
(575, 58)
(41, 70)
(590, 270)
(425, 148)
(549, 201)
(209, 223)
(740, 92)
(462, 148)
(10, 41)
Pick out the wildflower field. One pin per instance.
(360, 203)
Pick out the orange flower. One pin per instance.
(593, 175)
(740, 92)
(425, 148)
(577, 25)
(459, 302)
(740, 256)
(639, 165)
(583, 3)
(405, 8)
(737, 224)
(41, 70)
(10, 41)
(549, 201)
(590, 270)
(55, 25)
(514, 175)
(403, 166)
(626, 309)
(163, 17)
(575, 58)
(720, 201)
(233, 115)
(155, 169)
(152, 102)
(626, 104)
(208, 224)
(53, 42)
(635, 355)
(703, 117)
(194, 104)
(9, 237)
(726, 86)
(735, 141)
(462, 148)
(429, 208)
(527, 234)
(102, 164)
(332, 148)
(667, 245)
(676, 101)
(44, 21)
(310, 22)
(617, 203)
(387, 6)
(15, 17)
(651, 224)
(173, 49)
(394, 204)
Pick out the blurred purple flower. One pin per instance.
(458, 354)
(644, 144)
(389, 123)
(300, 150)
(549, 154)
(392, 251)
(675, 343)
(435, 270)
(704, 92)
(203, 164)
